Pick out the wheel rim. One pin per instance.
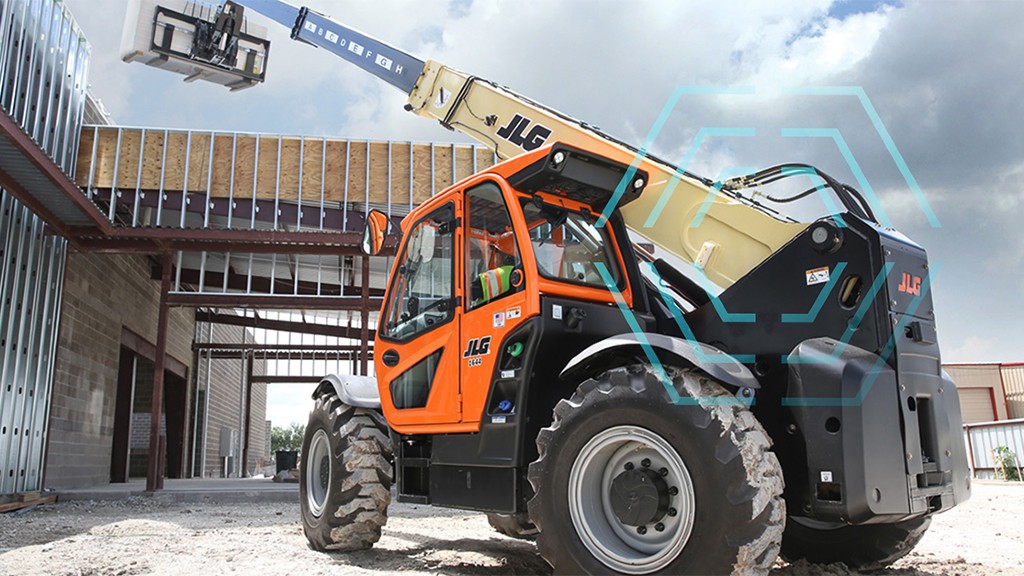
(318, 472)
(596, 500)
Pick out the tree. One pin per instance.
(287, 438)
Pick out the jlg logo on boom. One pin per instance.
(514, 132)
(910, 284)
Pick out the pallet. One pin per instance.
(26, 500)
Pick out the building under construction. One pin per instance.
(154, 282)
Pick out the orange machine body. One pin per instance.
(464, 372)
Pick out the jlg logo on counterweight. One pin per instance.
(514, 132)
(910, 284)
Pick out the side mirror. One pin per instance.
(376, 230)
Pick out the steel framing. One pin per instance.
(43, 66)
(30, 290)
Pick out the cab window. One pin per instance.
(493, 264)
(568, 245)
(422, 292)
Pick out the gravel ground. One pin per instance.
(140, 536)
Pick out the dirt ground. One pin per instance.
(141, 536)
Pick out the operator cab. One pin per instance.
(478, 262)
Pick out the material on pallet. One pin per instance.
(26, 500)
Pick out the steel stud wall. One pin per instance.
(43, 65)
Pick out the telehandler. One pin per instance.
(752, 385)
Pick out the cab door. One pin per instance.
(496, 299)
(418, 343)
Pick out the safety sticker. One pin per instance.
(817, 276)
(442, 98)
(826, 476)
(513, 313)
(556, 311)
(499, 319)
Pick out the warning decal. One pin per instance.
(817, 276)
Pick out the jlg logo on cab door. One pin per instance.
(476, 349)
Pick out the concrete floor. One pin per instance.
(228, 490)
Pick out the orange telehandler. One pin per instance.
(763, 385)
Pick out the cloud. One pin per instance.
(972, 349)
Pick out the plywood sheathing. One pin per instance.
(284, 167)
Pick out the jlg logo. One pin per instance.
(910, 285)
(514, 130)
(478, 347)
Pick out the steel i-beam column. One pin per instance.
(153, 472)
(365, 336)
(244, 473)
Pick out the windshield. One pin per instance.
(568, 245)
(421, 297)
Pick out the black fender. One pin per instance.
(625, 348)
(358, 391)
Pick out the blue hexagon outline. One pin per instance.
(848, 156)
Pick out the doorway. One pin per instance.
(132, 414)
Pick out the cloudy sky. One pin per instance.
(946, 78)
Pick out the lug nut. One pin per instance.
(628, 466)
(646, 462)
(673, 490)
(663, 471)
(672, 512)
(641, 530)
(659, 527)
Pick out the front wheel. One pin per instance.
(638, 477)
(863, 547)
(345, 477)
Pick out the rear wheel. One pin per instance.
(634, 480)
(513, 525)
(345, 479)
(864, 547)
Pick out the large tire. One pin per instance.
(346, 474)
(513, 525)
(864, 547)
(725, 512)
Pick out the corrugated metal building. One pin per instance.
(989, 391)
(981, 391)
(1013, 387)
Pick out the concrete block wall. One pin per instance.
(103, 294)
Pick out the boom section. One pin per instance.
(394, 66)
